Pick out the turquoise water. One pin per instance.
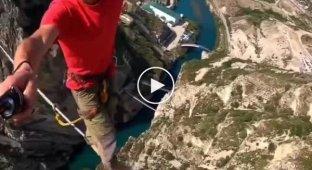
(198, 11)
(88, 159)
(195, 10)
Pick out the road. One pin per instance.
(220, 14)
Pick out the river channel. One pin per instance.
(196, 10)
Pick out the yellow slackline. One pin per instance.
(64, 124)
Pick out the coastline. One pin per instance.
(223, 34)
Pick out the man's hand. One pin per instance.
(24, 80)
(32, 49)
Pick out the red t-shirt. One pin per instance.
(86, 35)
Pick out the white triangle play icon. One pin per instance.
(156, 85)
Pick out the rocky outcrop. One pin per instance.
(43, 144)
(269, 31)
(242, 108)
(239, 115)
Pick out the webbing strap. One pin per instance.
(64, 124)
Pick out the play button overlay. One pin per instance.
(156, 85)
(149, 86)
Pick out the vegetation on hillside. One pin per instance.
(256, 16)
(195, 28)
(269, 1)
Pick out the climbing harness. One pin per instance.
(103, 94)
(59, 115)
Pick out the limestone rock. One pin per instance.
(241, 108)
(252, 117)
(43, 144)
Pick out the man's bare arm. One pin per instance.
(31, 49)
(35, 47)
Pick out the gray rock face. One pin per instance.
(43, 144)
(8, 35)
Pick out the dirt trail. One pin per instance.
(220, 14)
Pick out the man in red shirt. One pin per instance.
(85, 31)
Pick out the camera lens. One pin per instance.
(11, 103)
(8, 106)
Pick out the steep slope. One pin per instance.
(38, 146)
(248, 117)
(246, 107)
(43, 144)
(270, 32)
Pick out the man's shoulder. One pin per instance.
(59, 13)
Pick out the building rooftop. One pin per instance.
(147, 7)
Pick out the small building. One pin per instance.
(186, 37)
(164, 14)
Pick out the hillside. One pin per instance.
(42, 143)
(248, 106)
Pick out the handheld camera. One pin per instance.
(11, 103)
